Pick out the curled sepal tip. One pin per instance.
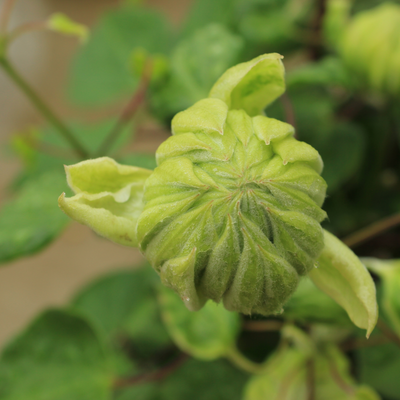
(251, 86)
(109, 198)
(342, 276)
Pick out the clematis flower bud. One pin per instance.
(233, 211)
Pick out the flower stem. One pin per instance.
(130, 110)
(371, 231)
(43, 108)
(243, 363)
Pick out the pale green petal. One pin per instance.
(389, 272)
(109, 198)
(206, 116)
(252, 85)
(342, 276)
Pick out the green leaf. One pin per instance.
(125, 303)
(196, 63)
(204, 12)
(201, 380)
(310, 304)
(61, 23)
(343, 153)
(286, 377)
(379, 367)
(253, 85)
(389, 272)
(206, 334)
(32, 219)
(101, 71)
(109, 198)
(58, 357)
(330, 71)
(341, 275)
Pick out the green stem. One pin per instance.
(372, 231)
(42, 107)
(240, 361)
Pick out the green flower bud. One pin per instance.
(232, 212)
(368, 44)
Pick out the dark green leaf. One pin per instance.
(101, 71)
(309, 304)
(124, 303)
(379, 367)
(147, 161)
(32, 219)
(196, 63)
(58, 357)
(199, 380)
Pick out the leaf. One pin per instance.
(389, 272)
(330, 71)
(204, 12)
(253, 85)
(196, 63)
(101, 70)
(379, 367)
(206, 334)
(201, 380)
(109, 198)
(32, 219)
(125, 303)
(61, 23)
(341, 275)
(286, 377)
(343, 153)
(310, 304)
(58, 357)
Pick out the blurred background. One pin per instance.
(52, 276)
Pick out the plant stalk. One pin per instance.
(43, 108)
(372, 231)
(243, 363)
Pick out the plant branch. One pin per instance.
(243, 363)
(263, 326)
(158, 375)
(26, 28)
(310, 365)
(355, 344)
(5, 14)
(387, 331)
(43, 108)
(372, 231)
(129, 111)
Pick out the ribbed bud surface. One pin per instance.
(232, 212)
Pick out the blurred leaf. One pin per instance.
(204, 12)
(141, 160)
(328, 72)
(61, 23)
(125, 303)
(58, 357)
(342, 276)
(196, 63)
(32, 219)
(389, 272)
(101, 71)
(286, 378)
(139, 62)
(310, 304)
(201, 380)
(343, 153)
(205, 334)
(379, 367)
